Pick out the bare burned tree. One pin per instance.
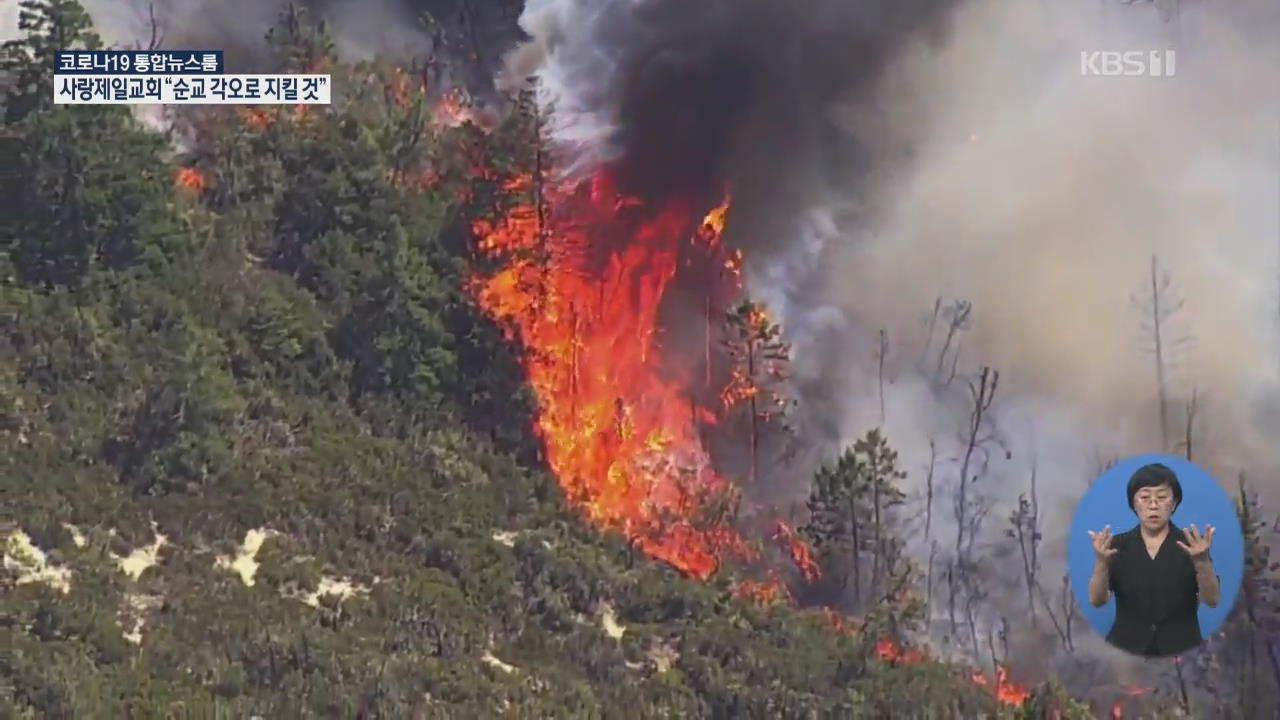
(1101, 466)
(1063, 616)
(955, 317)
(928, 518)
(1157, 307)
(975, 598)
(882, 352)
(977, 438)
(928, 490)
(959, 317)
(1186, 445)
(928, 583)
(156, 41)
(932, 324)
(1025, 522)
(998, 658)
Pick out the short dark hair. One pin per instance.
(1155, 475)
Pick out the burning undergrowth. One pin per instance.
(584, 293)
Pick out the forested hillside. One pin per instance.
(264, 456)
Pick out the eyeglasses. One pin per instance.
(1152, 499)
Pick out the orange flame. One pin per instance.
(619, 431)
(257, 119)
(1131, 692)
(891, 652)
(189, 178)
(452, 110)
(801, 554)
(1007, 691)
(763, 593)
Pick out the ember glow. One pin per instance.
(891, 652)
(763, 593)
(621, 426)
(191, 179)
(256, 119)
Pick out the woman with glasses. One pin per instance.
(1158, 572)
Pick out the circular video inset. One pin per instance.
(1156, 555)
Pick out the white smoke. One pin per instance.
(1041, 196)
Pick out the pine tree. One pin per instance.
(758, 358)
(28, 63)
(851, 508)
(88, 186)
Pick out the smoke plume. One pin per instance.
(886, 155)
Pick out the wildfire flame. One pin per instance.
(453, 110)
(1007, 691)
(190, 179)
(620, 431)
(1131, 692)
(801, 554)
(891, 652)
(763, 593)
(257, 119)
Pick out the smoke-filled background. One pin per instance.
(923, 189)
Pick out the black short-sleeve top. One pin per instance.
(1156, 598)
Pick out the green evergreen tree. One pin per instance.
(87, 186)
(851, 522)
(28, 62)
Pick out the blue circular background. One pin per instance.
(1203, 503)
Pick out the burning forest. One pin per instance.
(818, 320)
(636, 316)
(584, 278)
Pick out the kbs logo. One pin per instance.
(1151, 63)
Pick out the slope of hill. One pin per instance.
(262, 456)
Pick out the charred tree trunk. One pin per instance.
(877, 544)
(880, 357)
(1158, 341)
(983, 394)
